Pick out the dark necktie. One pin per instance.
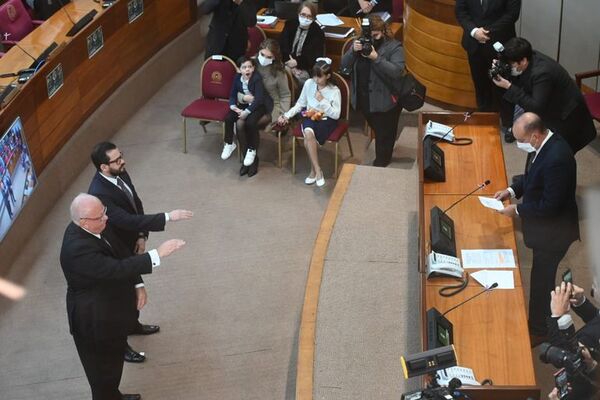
(484, 4)
(105, 240)
(127, 192)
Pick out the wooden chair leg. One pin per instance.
(279, 148)
(349, 144)
(293, 155)
(184, 135)
(335, 171)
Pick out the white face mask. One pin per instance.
(264, 61)
(304, 22)
(515, 72)
(527, 147)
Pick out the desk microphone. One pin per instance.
(442, 227)
(492, 286)
(467, 115)
(484, 184)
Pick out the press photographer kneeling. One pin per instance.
(575, 352)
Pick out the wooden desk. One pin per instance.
(333, 46)
(490, 332)
(50, 122)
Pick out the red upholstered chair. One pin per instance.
(397, 10)
(338, 133)
(592, 99)
(16, 22)
(216, 78)
(255, 37)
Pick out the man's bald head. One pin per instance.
(528, 125)
(88, 212)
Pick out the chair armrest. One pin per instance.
(583, 75)
(37, 22)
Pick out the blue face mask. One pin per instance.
(304, 22)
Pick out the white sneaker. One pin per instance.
(249, 159)
(228, 150)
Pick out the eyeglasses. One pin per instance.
(116, 160)
(96, 219)
(305, 15)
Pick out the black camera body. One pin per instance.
(366, 39)
(501, 67)
(435, 393)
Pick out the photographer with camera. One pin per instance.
(539, 84)
(572, 351)
(561, 330)
(375, 61)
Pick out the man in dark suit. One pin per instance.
(101, 275)
(541, 85)
(113, 186)
(484, 23)
(228, 29)
(548, 211)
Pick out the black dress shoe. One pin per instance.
(145, 329)
(508, 135)
(133, 356)
(131, 397)
(244, 170)
(253, 169)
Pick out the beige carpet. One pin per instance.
(229, 303)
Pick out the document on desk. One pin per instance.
(493, 258)
(329, 20)
(492, 203)
(466, 376)
(486, 278)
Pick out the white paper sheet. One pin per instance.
(329, 20)
(492, 203)
(266, 19)
(493, 258)
(486, 278)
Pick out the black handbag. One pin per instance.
(410, 92)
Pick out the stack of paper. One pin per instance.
(329, 20)
(266, 20)
(504, 279)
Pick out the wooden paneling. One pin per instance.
(435, 56)
(50, 123)
(442, 11)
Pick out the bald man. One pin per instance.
(548, 211)
(101, 276)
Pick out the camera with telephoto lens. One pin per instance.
(571, 362)
(365, 38)
(500, 67)
(436, 393)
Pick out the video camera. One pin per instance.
(500, 67)
(365, 38)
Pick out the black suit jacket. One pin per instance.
(127, 222)
(499, 18)
(547, 89)
(101, 278)
(314, 44)
(228, 29)
(256, 87)
(549, 210)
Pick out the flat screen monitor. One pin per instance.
(18, 178)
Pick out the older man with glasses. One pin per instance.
(101, 275)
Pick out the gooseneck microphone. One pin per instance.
(484, 184)
(492, 287)
(467, 115)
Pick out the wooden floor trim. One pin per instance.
(307, 337)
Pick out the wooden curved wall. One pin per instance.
(434, 54)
